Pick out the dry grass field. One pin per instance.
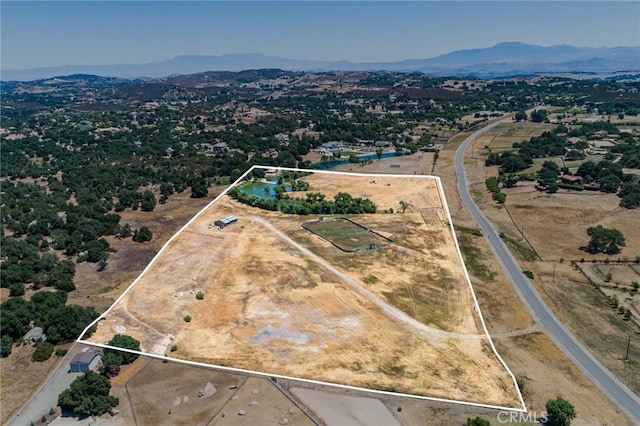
(280, 300)
(542, 370)
(555, 229)
(501, 138)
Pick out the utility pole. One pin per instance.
(553, 280)
(626, 357)
(522, 232)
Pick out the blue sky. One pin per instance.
(51, 33)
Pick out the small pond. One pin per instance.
(261, 189)
(327, 165)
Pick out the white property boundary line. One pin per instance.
(258, 373)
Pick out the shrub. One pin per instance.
(174, 348)
(478, 421)
(6, 344)
(16, 289)
(528, 274)
(187, 318)
(43, 352)
(199, 295)
(61, 352)
(142, 235)
(125, 342)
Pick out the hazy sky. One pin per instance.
(51, 33)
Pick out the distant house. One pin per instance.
(570, 179)
(282, 137)
(382, 144)
(574, 140)
(220, 147)
(601, 134)
(324, 152)
(84, 361)
(225, 221)
(332, 146)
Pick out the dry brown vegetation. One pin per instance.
(555, 229)
(280, 300)
(541, 368)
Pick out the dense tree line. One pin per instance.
(509, 161)
(549, 144)
(61, 323)
(313, 203)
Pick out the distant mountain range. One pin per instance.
(502, 60)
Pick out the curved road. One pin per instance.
(615, 390)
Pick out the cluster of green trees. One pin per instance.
(605, 240)
(558, 412)
(61, 323)
(313, 203)
(549, 144)
(88, 395)
(606, 174)
(509, 161)
(589, 129)
(548, 175)
(493, 185)
(113, 359)
(610, 177)
(539, 115)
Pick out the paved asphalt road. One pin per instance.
(615, 390)
(46, 397)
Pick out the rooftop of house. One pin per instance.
(86, 356)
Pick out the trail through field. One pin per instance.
(392, 311)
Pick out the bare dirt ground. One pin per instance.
(335, 409)
(270, 306)
(157, 392)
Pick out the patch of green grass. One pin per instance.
(345, 234)
(473, 256)
(523, 251)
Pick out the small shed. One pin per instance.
(225, 221)
(84, 361)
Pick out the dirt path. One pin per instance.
(392, 311)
